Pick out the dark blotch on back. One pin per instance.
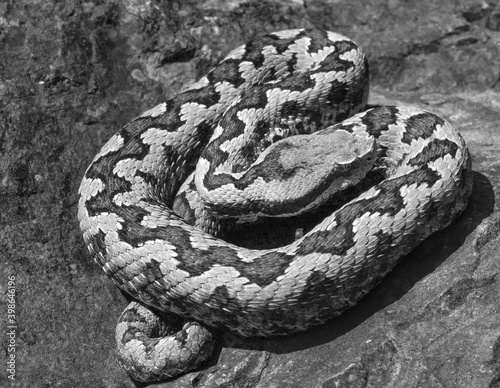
(436, 149)
(421, 125)
(378, 119)
(228, 71)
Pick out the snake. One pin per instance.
(277, 128)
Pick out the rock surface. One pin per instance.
(73, 72)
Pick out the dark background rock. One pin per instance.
(73, 72)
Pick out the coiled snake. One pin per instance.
(221, 137)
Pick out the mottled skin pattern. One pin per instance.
(159, 259)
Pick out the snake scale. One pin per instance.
(237, 145)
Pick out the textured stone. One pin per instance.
(72, 73)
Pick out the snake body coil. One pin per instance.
(220, 136)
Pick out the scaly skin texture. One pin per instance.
(159, 259)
